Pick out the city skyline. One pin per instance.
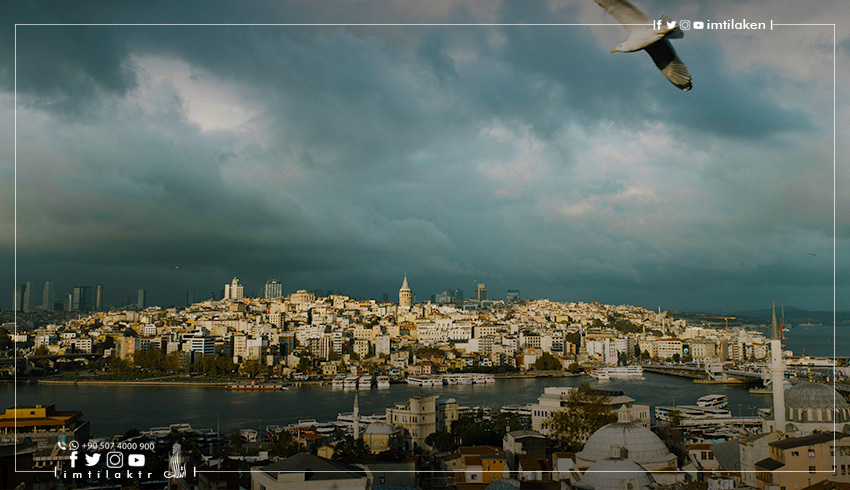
(173, 158)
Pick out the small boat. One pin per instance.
(383, 381)
(365, 382)
(338, 381)
(713, 401)
(351, 382)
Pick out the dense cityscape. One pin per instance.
(580, 434)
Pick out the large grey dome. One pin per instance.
(813, 395)
(642, 444)
(615, 474)
(380, 428)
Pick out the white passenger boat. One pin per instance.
(713, 401)
(365, 382)
(338, 381)
(351, 382)
(383, 381)
(617, 372)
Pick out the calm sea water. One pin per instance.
(114, 409)
(819, 341)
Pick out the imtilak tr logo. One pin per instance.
(178, 468)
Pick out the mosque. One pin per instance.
(624, 455)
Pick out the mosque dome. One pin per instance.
(642, 444)
(615, 474)
(813, 395)
(380, 428)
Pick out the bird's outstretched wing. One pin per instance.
(625, 13)
(671, 66)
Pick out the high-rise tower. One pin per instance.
(777, 375)
(405, 294)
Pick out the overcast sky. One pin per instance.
(341, 157)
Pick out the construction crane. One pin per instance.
(725, 321)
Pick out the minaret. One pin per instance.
(777, 375)
(405, 295)
(356, 416)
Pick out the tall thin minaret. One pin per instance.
(356, 416)
(777, 375)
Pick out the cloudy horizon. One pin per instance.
(341, 157)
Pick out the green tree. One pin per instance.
(506, 422)
(42, 350)
(585, 410)
(251, 368)
(676, 357)
(645, 354)
(547, 362)
(441, 441)
(349, 450)
(5, 340)
(304, 365)
(574, 368)
(284, 444)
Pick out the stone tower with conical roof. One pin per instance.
(405, 294)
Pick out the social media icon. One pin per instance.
(136, 460)
(74, 445)
(92, 459)
(684, 25)
(114, 460)
(671, 24)
(698, 24)
(73, 459)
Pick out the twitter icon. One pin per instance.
(92, 459)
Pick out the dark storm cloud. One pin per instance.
(341, 157)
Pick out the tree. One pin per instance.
(251, 368)
(284, 444)
(506, 422)
(441, 441)
(5, 340)
(585, 411)
(676, 357)
(574, 368)
(349, 450)
(547, 362)
(304, 365)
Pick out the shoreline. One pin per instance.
(223, 384)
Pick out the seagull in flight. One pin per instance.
(653, 41)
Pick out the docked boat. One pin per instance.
(686, 412)
(713, 401)
(620, 371)
(257, 387)
(383, 381)
(338, 381)
(350, 382)
(365, 382)
(422, 381)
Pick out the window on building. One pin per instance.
(812, 469)
(795, 453)
(811, 453)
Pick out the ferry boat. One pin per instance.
(257, 387)
(686, 412)
(365, 382)
(423, 381)
(521, 411)
(338, 381)
(617, 372)
(350, 382)
(713, 401)
(383, 381)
